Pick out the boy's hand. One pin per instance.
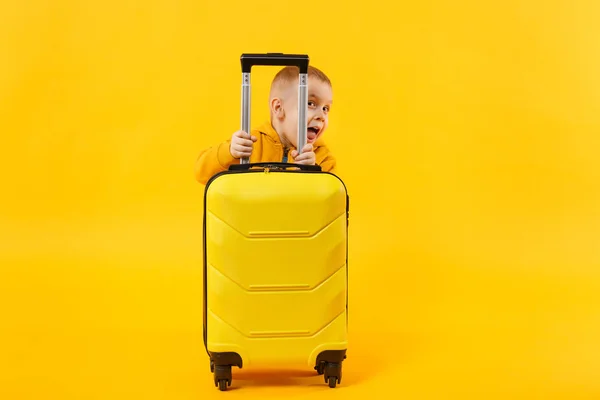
(307, 157)
(241, 144)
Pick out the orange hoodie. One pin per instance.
(267, 148)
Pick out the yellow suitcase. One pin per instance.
(275, 259)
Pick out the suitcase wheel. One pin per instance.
(332, 381)
(221, 365)
(329, 364)
(222, 376)
(332, 374)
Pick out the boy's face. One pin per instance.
(320, 98)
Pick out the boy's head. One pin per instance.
(283, 103)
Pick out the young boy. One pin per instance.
(276, 141)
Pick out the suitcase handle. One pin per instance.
(274, 166)
(273, 59)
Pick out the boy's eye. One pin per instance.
(326, 109)
(311, 103)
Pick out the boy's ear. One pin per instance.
(277, 108)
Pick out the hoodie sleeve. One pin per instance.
(213, 160)
(325, 159)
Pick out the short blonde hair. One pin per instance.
(289, 74)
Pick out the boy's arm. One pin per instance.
(212, 160)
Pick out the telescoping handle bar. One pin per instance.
(248, 60)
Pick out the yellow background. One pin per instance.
(467, 133)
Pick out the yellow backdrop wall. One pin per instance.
(467, 132)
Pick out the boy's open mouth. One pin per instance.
(312, 132)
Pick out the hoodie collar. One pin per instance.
(267, 129)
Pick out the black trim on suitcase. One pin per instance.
(274, 166)
(328, 362)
